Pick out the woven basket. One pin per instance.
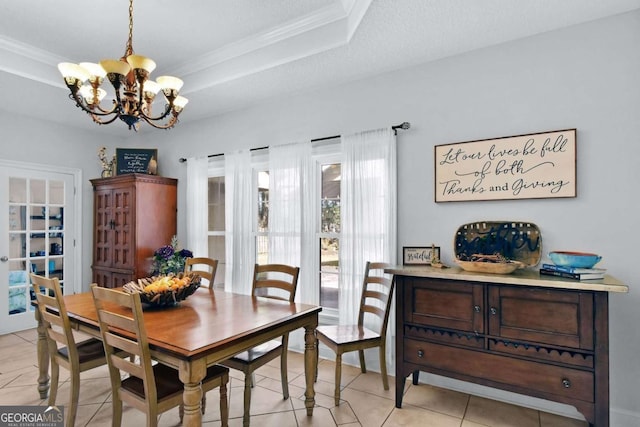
(518, 244)
(165, 298)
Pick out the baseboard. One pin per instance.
(501, 395)
(618, 417)
(624, 418)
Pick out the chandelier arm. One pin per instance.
(96, 119)
(106, 112)
(168, 125)
(114, 110)
(80, 104)
(168, 108)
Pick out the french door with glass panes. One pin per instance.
(38, 209)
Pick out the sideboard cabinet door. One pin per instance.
(553, 317)
(446, 304)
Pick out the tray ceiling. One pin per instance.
(232, 54)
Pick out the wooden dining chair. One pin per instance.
(277, 281)
(377, 292)
(64, 351)
(152, 389)
(204, 267)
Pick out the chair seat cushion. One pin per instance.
(213, 377)
(342, 334)
(215, 371)
(258, 351)
(167, 380)
(87, 350)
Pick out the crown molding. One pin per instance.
(327, 28)
(29, 62)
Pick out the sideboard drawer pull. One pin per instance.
(566, 383)
(420, 354)
(493, 311)
(476, 308)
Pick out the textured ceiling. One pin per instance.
(235, 53)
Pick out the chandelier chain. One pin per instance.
(129, 50)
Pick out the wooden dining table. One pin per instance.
(208, 327)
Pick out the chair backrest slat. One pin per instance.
(119, 321)
(379, 279)
(381, 296)
(374, 310)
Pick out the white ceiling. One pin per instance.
(232, 54)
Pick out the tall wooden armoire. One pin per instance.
(134, 214)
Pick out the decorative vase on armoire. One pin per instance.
(134, 214)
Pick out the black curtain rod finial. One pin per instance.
(403, 126)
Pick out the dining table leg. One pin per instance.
(43, 357)
(310, 364)
(191, 374)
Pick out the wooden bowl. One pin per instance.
(490, 267)
(166, 297)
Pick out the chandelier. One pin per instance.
(134, 92)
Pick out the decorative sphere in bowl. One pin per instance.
(574, 259)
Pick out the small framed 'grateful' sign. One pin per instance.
(418, 255)
(532, 166)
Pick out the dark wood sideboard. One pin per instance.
(535, 335)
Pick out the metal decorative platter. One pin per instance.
(513, 242)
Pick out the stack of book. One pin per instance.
(574, 273)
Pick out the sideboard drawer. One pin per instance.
(525, 375)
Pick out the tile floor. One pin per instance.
(365, 403)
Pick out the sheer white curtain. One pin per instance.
(197, 206)
(368, 215)
(291, 213)
(239, 243)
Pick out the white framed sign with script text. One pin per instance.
(532, 166)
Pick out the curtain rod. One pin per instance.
(403, 126)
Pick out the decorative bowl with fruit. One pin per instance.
(166, 290)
